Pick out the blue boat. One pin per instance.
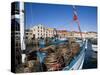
(75, 63)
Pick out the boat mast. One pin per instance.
(75, 18)
(22, 34)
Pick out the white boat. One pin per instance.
(94, 44)
(94, 47)
(63, 39)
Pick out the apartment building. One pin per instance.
(92, 35)
(62, 34)
(41, 31)
(85, 34)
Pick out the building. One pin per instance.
(85, 34)
(92, 35)
(28, 34)
(51, 32)
(62, 34)
(41, 31)
(78, 34)
(67, 34)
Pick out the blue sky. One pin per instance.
(60, 16)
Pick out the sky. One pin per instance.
(60, 16)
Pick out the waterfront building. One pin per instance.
(62, 34)
(41, 31)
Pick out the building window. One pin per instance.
(26, 33)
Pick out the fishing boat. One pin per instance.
(77, 62)
(75, 56)
(73, 60)
(59, 55)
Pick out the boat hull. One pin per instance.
(77, 62)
